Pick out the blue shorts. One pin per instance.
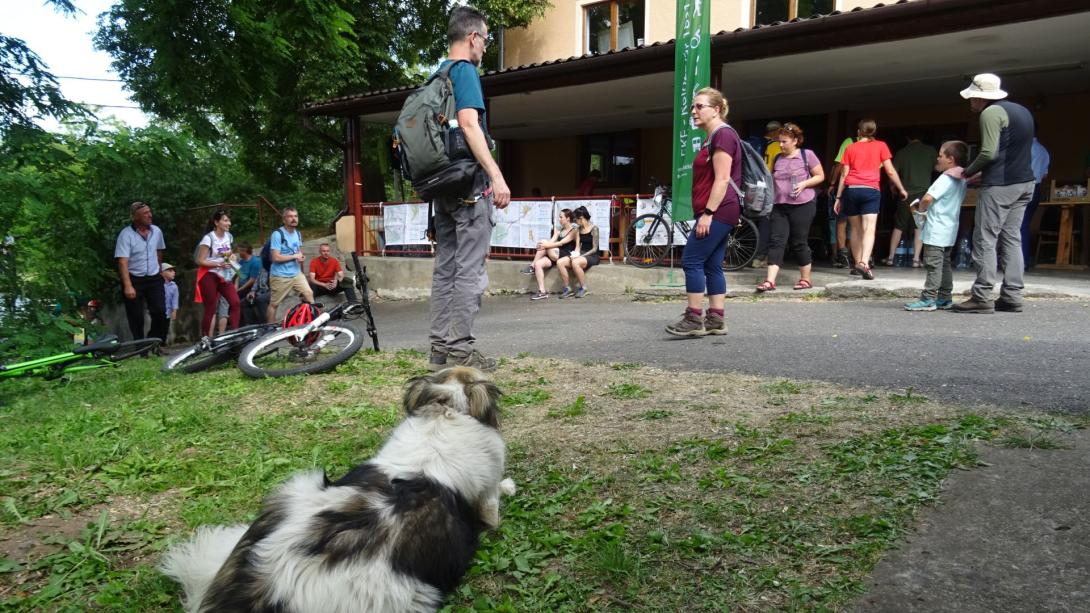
(860, 201)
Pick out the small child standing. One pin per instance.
(942, 205)
(170, 291)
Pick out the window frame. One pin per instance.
(792, 10)
(582, 42)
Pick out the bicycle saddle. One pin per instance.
(101, 342)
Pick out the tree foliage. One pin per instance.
(254, 63)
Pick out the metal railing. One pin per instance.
(622, 212)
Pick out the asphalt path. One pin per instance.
(1039, 358)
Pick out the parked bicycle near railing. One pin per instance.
(652, 237)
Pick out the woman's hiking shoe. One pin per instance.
(565, 294)
(714, 324)
(922, 305)
(539, 296)
(582, 291)
(974, 305)
(691, 324)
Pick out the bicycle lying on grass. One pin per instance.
(650, 238)
(104, 352)
(276, 351)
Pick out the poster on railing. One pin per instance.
(600, 213)
(647, 206)
(406, 224)
(522, 223)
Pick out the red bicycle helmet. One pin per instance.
(301, 315)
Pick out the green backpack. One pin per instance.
(431, 151)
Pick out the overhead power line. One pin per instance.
(90, 79)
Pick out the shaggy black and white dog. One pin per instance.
(395, 534)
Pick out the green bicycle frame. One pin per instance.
(54, 364)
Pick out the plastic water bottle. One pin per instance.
(899, 254)
(964, 257)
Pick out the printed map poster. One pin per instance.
(600, 213)
(646, 206)
(406, 224)
(522, 224)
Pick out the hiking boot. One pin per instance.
(437, 361)
(539, 296)
(582, 291)
(565, 293)
(944, 305)
(528, 271)
(973, 305)
(475, 359)
(843, 259)
(759, 262)
(1007, 306)
(714, 324)
(922, 305)
(691, 324)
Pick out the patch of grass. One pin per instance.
(783, 387)
(524, 398)
(655, 414)
(907, 398)
(624, 365)
(1032, 441)
(575, 409)
(627, 391)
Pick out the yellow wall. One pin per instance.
(548, 163)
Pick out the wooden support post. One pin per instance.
(353, 184)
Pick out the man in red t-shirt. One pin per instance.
(326, 276)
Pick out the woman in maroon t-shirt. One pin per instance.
(716, 207)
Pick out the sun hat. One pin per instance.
(985, 85)
(773, 125)
(165, 267)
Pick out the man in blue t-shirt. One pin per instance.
(463, 227)
(286, 273)
(254, 299)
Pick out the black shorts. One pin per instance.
(592, 260)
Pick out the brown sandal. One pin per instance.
(804, 284)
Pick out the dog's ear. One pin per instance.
(483, 398)
(419, 392)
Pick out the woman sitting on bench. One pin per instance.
(583, 258)
(549, 252)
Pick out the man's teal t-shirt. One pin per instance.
(467, 86)
(292, 243)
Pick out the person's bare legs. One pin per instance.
(562, 265)
(770, 276)
(918, 245)
(841, 233)
(868, 224)
(579, 265)
(540, 266)
(856, 222)
(894, 238)
(804, 272)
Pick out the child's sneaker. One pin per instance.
(528, 271)
(944, 305)
(921, 305)
(566, 293)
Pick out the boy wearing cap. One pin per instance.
(170, 291)
(1004, 170)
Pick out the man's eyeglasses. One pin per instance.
(696, 106)
(484, 39)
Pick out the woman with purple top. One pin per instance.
(795, 172)
(716, 208)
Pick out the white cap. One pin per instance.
(985, 85)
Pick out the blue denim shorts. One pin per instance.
(860, 201)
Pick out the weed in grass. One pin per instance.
(627, 391)
(524, 398)
(522, 355)
(624, 365)
(809, 417)
(783, 387)
(907, 398)
(1035, 440)
(575, 409)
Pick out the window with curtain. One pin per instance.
(616, 24)
(771, 11)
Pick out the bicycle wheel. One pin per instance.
(223, 348)
(279, 354)
(741, 245)
(128, 349)
(649, 247)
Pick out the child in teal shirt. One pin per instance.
(942, 206)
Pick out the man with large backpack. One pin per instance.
(285, 254)
(463, 224)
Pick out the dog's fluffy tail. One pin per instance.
(194, 563)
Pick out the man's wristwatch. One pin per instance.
(709, 212)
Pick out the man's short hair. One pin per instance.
(464, 20)
(288, 209)
(324, 245)
(136, 206)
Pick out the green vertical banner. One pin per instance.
(692, 72)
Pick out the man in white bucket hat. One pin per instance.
(1006, 187)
